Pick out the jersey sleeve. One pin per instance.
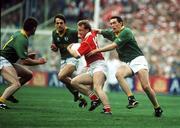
(83, 49)
(53, 37)
(21, 47)
(108, 34)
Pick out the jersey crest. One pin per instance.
(66, 38)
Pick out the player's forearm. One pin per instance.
(108, 47)
(32, 62)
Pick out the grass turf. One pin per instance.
(55, 108)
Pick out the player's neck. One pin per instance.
(61, 33)
(120, 29)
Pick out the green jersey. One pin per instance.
(16, 47)
(127, 46)
(62, 41)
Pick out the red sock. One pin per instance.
(107, 108)
(93, 96)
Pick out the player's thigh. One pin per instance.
(22, 71)
(67, 70)
(84, 78)
(99, 79)
(10, 75)
(143, 76)
(124, 71)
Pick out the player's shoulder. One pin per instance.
(18, 35)
(54, 31)
(127, 29)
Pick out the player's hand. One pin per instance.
(54, 47)
(32, 55)
(93, 52)
(42, 61)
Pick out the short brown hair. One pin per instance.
(60, 16)
(85, 23)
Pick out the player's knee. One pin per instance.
(97, 88)
(16, 84)
(119, 75)
(74, 82)
(146, 88)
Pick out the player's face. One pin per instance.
(82, 31)
(115, 25)
(60, 25)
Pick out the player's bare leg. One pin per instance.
(144, 79)
(65, 76)
(24, 76)
(24, 73)
(98, 82)
(9, 74)
(81, 83)
(122, 72)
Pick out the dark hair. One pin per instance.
(30, 23)
(85, 23)
(119, 19)
(60, 16)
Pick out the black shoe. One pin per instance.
(158, 112)
(3, 106)
(132, 104)
(82, 102)
(76, 96)
(94, 104)
(106, 112)
(12, 99)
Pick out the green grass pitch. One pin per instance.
(54, 108)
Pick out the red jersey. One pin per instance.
(88, 44)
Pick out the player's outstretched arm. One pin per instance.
(32, 62)
(103, 49)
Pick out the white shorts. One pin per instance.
(99, 65)
(71, 60)
(138, 63)
(4, 62)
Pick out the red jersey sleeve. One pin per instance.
(83, 49)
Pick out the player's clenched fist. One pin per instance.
(54, 47)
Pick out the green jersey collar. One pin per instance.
(24, 33)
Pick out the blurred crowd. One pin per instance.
(154, 22)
